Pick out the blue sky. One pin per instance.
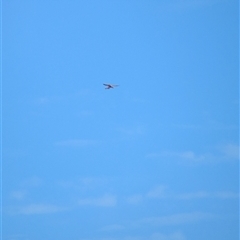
(153, 159)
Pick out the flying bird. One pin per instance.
(108, 86)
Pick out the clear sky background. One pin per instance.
(153, 159)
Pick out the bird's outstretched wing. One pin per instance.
(110, 85)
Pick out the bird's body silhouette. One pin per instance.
(108, 86)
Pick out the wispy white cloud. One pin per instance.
(162, 192)
(171, 220)
(93, 182)
(211, 125)
(42, 100)
(177, 219)
(171, 236)
(47, 100)
(83, 183)
(18, 194)
(134, 199)
(217, 125)
(188, 126)
(31, 182)
(226, 152)
(15, 153)
(75, 143)
(195, 195)
(132, 131)
(157, 192)
(226, 195)
(85, 113)
(152, 236)
(204, 194)
(185, 155)
(112, 227)
(38, 209)
(104, 201)
(16, 237)
(231, 151)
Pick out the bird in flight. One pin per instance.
(108, 86)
